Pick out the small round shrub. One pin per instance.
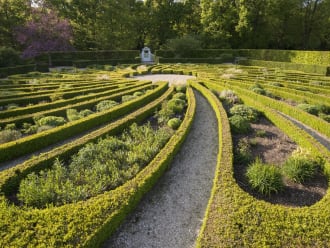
(12, 106)
(85, 112)
(180, 95)
(174, 123)
(239, 124)
(229, 96)
(137, 93)
(300, 169)
(72, 114)
(106, 104)
(127, 98)
(53, 121)
(243, 154)
(181, 88)
(266, 179)
(246, 112)
(176, 105)
(258, 90)
(324, 117)
(9, 135)
(309, 108)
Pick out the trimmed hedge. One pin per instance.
(7, 71)
(236, 219)
(36, 142)
(88, 223)
(62, 103)
(311, 68)
(61, 111)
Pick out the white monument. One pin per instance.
(146, 56)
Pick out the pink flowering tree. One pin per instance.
(44, 33)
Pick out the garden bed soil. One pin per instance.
(274, 148)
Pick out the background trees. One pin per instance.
(132, 24)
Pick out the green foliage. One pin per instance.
(243, 154)
(138, 93)
(106, 104)
(239, 124)
(266, 179)
(8, 135)
(9, 57)
(300, 168)
(176, 105)
(249, 113)
(229, 97)
(258, 89)
(182, 46)
(53, 121)
(309, 108)
(179, 95)
(95, 169)
(174, 123)
(72, 114)
(181, 88)
(128, 98)
(12, 106)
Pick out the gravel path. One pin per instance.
(171, 214)
(171, 78)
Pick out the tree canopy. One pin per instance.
(132, 24)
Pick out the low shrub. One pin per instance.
(243, 154)
(128, 98)
(324, 117)
(176, 105)
(239, 124)
(106, 104)
(249, 113)
(179, 95)
(300, 168)
(229, 97)
(309, 108)
(9, 135)
(181, 88)
(174, 123)
(264, 178)
(138, 93)
(72, 114)
(53, 121)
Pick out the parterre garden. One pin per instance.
(122, 134)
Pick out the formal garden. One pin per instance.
(164, 123)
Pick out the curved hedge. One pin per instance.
(38, 141)
(87, 223)
(236, 219)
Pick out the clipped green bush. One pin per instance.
(174, 123)
(138, 93)
(106, 104)
(264, 178)
(243, 154)
(72, 114)
(180, 95)
(128, 98)
(9, 135)
(229, 97)
(249, 113)
(181, 88)
(239, 124)
(309, 108)
(176, 105)
(53, 121)
(300, 169)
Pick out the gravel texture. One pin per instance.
(171, 214)
(171, 78)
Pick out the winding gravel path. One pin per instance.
(171, 214)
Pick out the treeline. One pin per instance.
(132, 24)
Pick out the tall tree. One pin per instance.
(44, 33)
(219, 19)
(13, 13)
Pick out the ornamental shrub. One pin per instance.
(106, 104)
(309, 108)
(53, 121)
(300, 168)
(181, 88)
(239, 124)
(243, 154)
(249, 113)
(174, 123)
(176, 105)
(180, 95)
(229, 97)
(127, 98)
(9, 135)
(9, 57)
(137, 93)
(266, 179)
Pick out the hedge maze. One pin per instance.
(97, 124)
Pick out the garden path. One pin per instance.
(171, 214)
